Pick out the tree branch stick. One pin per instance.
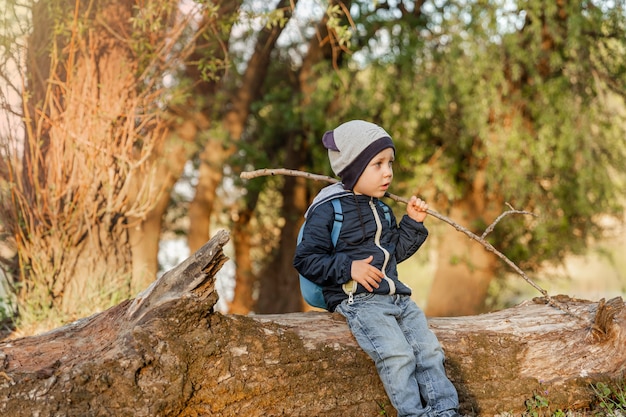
(503, 215)
(480, 239)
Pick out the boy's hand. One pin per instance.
(365, 274)
(416, 209)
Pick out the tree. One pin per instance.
(289, 107)
(550, 109)
(91, 168)
(168, 353)
(279, 291)
(232, 114)
(165, 46)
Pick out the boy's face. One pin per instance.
(377, 176)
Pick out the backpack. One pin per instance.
(312, 292)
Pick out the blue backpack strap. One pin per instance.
(334, 234)
(385, 208)
(311, 292)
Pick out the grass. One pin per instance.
(609, 401)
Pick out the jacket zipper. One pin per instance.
(350, 287)
(379, 231)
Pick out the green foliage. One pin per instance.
(531, 117)
(535, 406)
(276, 18)
(500, 101)
(610, 401)
(611, 398)
(7, 309)
(342, 32)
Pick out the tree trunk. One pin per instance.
(243, 298)
(169, 163)
(166, 353)
(279, 291)
(70, 225)
(279, 285)
(218, 149)
(464, 272)
(465, 269)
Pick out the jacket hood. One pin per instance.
(326, 194)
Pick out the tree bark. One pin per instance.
(464, 272)
(245, 279)
(168, 353)
(70, 220)
(169, 162)
(280, 289)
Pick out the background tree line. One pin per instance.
(518, 102)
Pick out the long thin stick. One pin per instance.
(480, 239)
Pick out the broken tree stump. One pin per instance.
(167, 353)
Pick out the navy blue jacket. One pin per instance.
(328, 266)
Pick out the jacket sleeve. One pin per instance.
(315, 256)
(412, 235)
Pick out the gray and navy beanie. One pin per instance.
(351, 146)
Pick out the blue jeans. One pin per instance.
(394, 332)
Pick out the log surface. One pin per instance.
(167, 353)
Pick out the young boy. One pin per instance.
(359, 273)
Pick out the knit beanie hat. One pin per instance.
(351, 146)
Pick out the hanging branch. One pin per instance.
(480, 239)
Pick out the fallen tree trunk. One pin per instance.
(167, 353)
